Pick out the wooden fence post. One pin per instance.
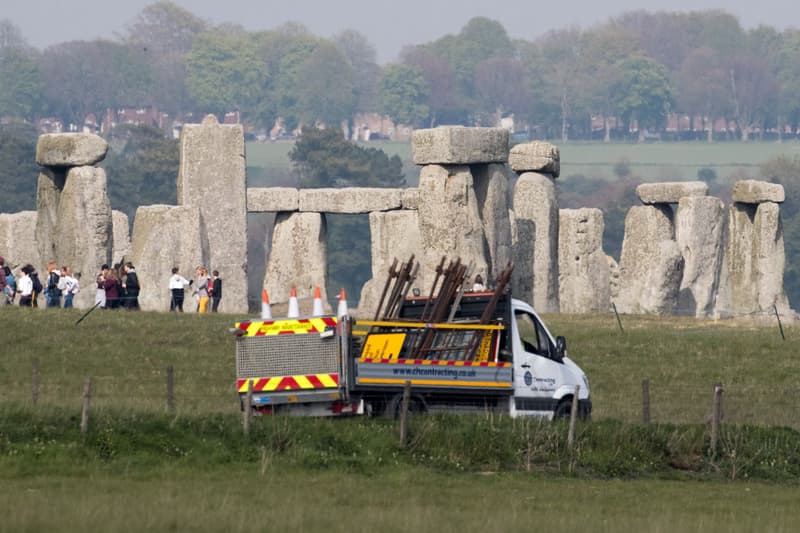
(404, 413)
(646, 401)
(248, 406)
(716, 418)
(35, 380)
(573, 415)
(170, 390)
(87, 394)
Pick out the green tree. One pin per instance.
(444, 101)
(141, 168)
(325, 89)
(403, 94)
(644, 93)
(21, 88)
(83, 77)
(225, 73)
(701, 86)
(361, 54)
(18, 168)
(501, 88)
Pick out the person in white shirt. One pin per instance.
(68, 285)
(25, 286)
(478, 286)
(177, 284)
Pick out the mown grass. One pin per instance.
(666, 161)
(139, 468)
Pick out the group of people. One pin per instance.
(26, 284)
(118, 287)
(206, 288)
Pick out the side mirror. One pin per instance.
(561, 346)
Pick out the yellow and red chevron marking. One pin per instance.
(433, 362)
(291, 326)
(284, 383)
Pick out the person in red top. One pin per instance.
(111, 286)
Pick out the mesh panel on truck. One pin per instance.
(286, 355)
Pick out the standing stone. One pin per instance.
(212, 179)
(70, 149)
(48, 196)
(166, 236)
(757, 192)
(613, 278)
(393, 234)
(493, 191)
(770, 256)
(298, 257)
(583, 269)
(650, 263)
(699, 224)
(536, 156)
(670, 192)
(83, 234)
(536, 210)
(449, 220)
(122, 239)
(17, 238)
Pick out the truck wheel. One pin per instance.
(563, 409)
(416, 405)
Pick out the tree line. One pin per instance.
(634, 69)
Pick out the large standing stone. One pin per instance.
(394, 235)
(48, 196)
(583, 267)
(457, 145)
(450, 220)
(536, 156)
(83, 235)
(17, 239)
(166, 236)
(699, 224)
(298, 257)
(493, 191)
(70, 149)
(350, 200)
(757, 192)
(770, 256)
(651, 264)
(212, 179)
(272, 199)
(536, 210)
(122, 236)
(670, 192)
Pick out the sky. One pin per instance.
(388, 25)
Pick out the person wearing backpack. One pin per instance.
(131, 286)
(36, 286)
(53, 293)
(11, 285)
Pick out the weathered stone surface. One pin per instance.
(212, 179)
(699, 224)
(613, 278)
(70, 149)
(350, 200)
(583, 269)
(449, 220)
(670, 192)
(757, 192)
(753, 267)
(394, 234)
(48, 196)
(122, 236)
(272, 199)
(299, 257)
(536, 213)
(536, 156)
(166, 236)
(493, 191)
(458, 145)
(410, 198)
(83, 234)
(17, 239)
(651, 264)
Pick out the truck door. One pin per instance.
(537, 372)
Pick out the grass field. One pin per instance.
(668, 161)
(140, 469)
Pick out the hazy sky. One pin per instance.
(388, 25)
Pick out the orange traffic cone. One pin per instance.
(266, 310)
(342, 310)
(294, 306)
(317, 310)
